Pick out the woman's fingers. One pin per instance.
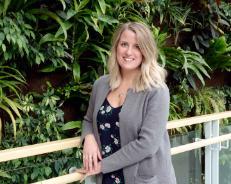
(95, 161)
(91, 153)
(99, 155)
(85, 162)
(90, 162)
(86, 173)
(82, 171)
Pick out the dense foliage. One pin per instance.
(52, 51)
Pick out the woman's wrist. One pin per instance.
(89, 136)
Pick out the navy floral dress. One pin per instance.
(108, 127)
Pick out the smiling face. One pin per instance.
(128, 54)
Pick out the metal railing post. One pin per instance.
(90, 180)
(211, 129)
(215, 153)
(208, 153)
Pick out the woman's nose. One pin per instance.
(129, 51)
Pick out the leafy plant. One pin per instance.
(181, 101)
(227, 92)
(4, 174)
(23, 37)
(187, 102)
(73, 125)
(10, 79)
(92, 27)
(15, 34)
(210, 20)
(43, 121)
(160, 38)
(208, 100)
(171, 16)
(192, 63)
(181, 104)
(218, 55)
(184, 63)
(42, 115)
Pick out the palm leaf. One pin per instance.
(18, 77)
(11, 85)
(6, 109)
(76, 71)
(102, 5)
(13, 105)
(63, 4)
(81, 5)
(197, 73)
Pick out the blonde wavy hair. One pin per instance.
(151, 73)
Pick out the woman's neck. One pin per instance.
(128, 78)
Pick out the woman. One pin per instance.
(124, 130)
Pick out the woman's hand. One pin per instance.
(95, 171)
(91, 153)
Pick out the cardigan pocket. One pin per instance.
(146, 180)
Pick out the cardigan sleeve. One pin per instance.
(87, 127)
(150, 135)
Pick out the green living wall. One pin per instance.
(51, 52)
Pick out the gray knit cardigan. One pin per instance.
(145, 148)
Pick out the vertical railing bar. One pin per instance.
(208, 153)
(215, 153)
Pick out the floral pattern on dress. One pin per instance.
(108, 128)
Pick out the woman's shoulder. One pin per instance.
(159, 88)
(159, 91)
(102, 81)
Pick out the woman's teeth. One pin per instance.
(128, 59)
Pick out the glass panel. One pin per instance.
(187, 165)
(225, 158)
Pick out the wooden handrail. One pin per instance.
(38, 149)
(197, 119)
(199, 144)
(68, 178)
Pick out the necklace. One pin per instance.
(122, 94)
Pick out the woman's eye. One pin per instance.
(137, 46)
(123, 44)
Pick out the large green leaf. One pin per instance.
(13, 105)
(102, 5)
(6, 109)
(72, 125)
(218, 55)
(53, 16)
(4, 174)
(4, 9)
(81, 5)
(67, 26)
(49, 38)
(63, 4)
(18, 77)
(76, 72)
